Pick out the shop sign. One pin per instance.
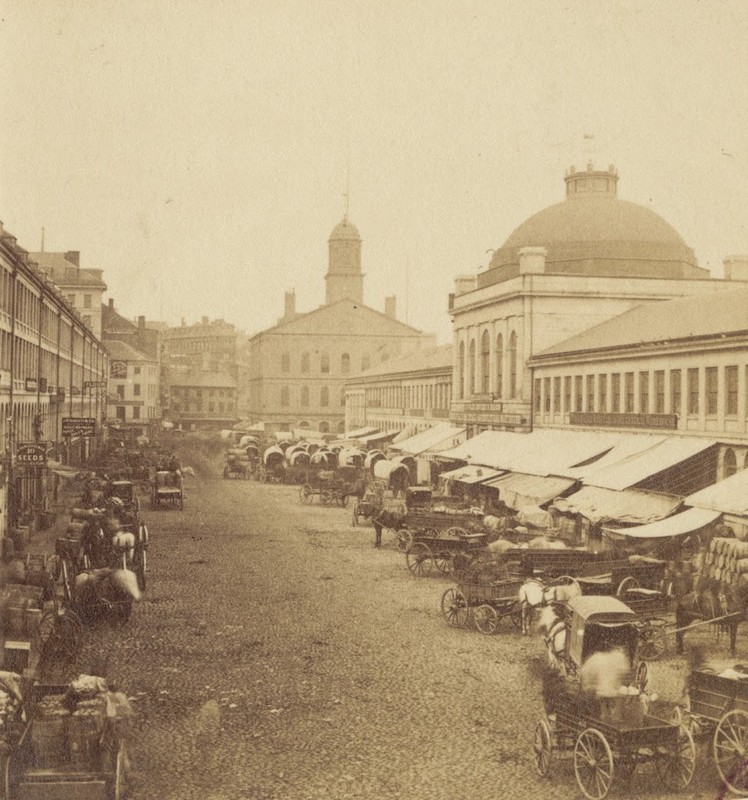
(592, 419)
(31, 453)
(31, 384)
(78, 426)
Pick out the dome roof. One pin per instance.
(345, 230)
(593, 232)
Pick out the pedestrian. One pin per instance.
(377, 532)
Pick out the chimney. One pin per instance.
(390, 306)
(184, 324)
(74, 257)
(289, 305)
(736, 268)
(532, 260)
(141, 322)
(111, 303)
(205, 320)
(465, 283)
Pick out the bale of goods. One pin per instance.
(40, 569)
(742, 565)
(75, 529)
(708, 558)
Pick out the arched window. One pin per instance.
(461, 372)
(500, 366)
(285, 395)
(485, 352)
(513, 365)
(324, 427)
(304, 425)
(324, 396)
(729, 463)
(365, 361)
(341, 426)
(345, 363)
(324, 362)
(471, 368)
(285, 362)
(304, 395)
(305, 362)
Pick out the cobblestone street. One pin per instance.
(277, 654)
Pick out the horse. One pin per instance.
(726, 605)
(553, 627)
(534, 594)
(105, 590)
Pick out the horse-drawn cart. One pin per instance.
(439, 549)
(486, 602)
(167, 489)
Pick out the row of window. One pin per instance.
(201, 407)
(324, 362)
(195, 391)
(426, 396)
(643, 392)
(304, 394)
(478, 371)
(86, 300)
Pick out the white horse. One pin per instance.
(553, 628)
(535, 594)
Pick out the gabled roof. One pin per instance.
(120, 351)
(415, 361)
(705, 315)
(343, 318)
(112, 322)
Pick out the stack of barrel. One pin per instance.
(237, 459)
(726, 561)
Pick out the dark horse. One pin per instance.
(726, 605)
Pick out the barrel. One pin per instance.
(49, 738)
(39, 569)
(84, 729)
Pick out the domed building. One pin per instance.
(565, 269)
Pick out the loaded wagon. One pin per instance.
(273, 467)
(332, 487)
(485, 599)
(438, 549)
(167, 489)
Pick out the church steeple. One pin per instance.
(344, 277)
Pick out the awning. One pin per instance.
(606, 505)
(381, 436)
(655, 457)
(519, 491)
(729, 496)
(688, 521)
(471, 474)
(405, 433)
(435, 440)
(63, 470)
(357, 434)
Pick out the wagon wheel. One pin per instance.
(6, 776)
(455, 608)
(515, 615)
(593, 764)
(181, 501)
(542, 747)
(677, 764)
(404, 540)
(305, 493)
(343, 500)
(456, 532)
(67, 575)
(652, 641)
(140, 567)
(119, 788)
(629, 582)
(325, 497)
(729, 747)
(642, 676)
(354, 516)
(487, 621)
(419, 559)
(443, 563)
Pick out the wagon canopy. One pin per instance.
(372, 457)
(350, 457)
(599, 623)
(323, 458)
(299, 458)
(390, 471)
(273, 456)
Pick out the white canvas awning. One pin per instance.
(434, 440)
(688, 521)
(358, 433)
(729, 496)
(520, 491)
(472, 473)
(603, 505)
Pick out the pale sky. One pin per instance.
(197, 152)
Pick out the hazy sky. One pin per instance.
(197, 151)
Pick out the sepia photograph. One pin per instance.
(373, 399)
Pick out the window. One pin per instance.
(536, 404)
(285, 396)
(136, 370)
(86, 301)
(547, 397)
(629, 390)
(578, 392)
(590, 393)
(121, 391)
(324, 427)
(71, 299)
(567, 393)
(285, 362)
(499, 366)
(557, 394)
(136, 389)
(659, 378)
(602, 391)
(485, 354)
(121, 412)
(693, 391)
(87, 320)
(461, 372)
(710, 375)
(365, 361)
(324, 362)
(304, 395)
(675, 391)
(644, 393)
(731, 390)
(342, 395)
(305, 362)
(513, 365)
(211, 407)
(324, 396)
(345, 363)
(471, 368)
(730, 463)
(136, 412)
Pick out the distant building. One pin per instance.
(298, 368)
(133, 389)
(82, 288)
(566, 269)
(413, 392)
(203, 400)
